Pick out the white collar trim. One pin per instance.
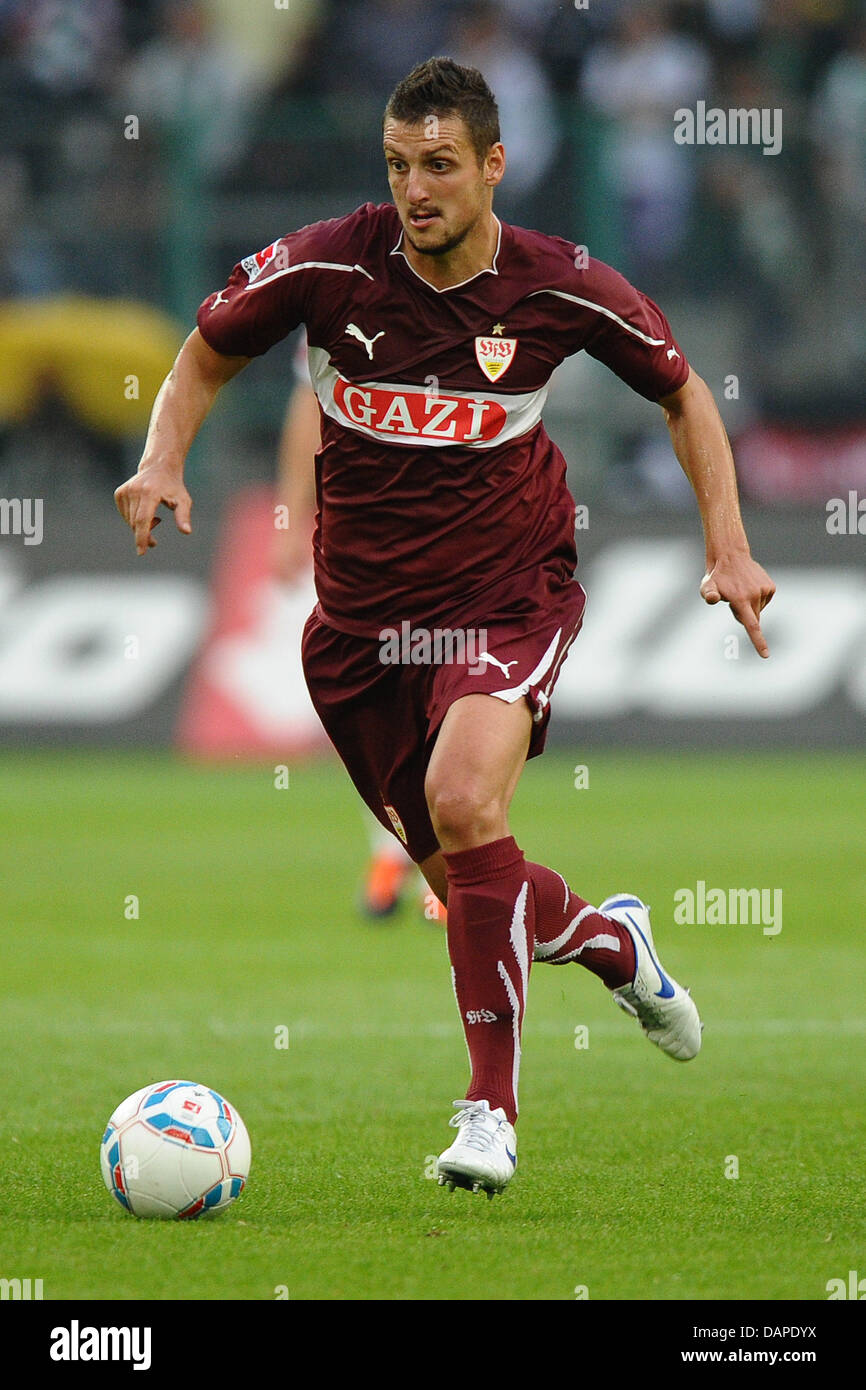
(488, 269)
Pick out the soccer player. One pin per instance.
(433, 329)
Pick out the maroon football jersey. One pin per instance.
(441, 499)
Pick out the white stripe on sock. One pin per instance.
(518, 934)
(460, 1014)
(545, 949)
(603, 942)
(564, 884)
(515, 1026)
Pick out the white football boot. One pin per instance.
(664, 1010)
(483, 1157)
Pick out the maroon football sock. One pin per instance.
(491, 909)
(569, 929)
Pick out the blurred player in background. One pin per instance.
(443, 506)
(390, 873)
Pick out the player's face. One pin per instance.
(441, 190)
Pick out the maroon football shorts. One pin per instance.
(381, 702)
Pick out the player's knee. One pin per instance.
(463, 814)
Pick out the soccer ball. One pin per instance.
(175, 1149)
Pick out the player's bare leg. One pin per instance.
(476, 764)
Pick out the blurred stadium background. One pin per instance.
(148, 146)
(145, 147)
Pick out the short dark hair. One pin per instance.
(441, 87)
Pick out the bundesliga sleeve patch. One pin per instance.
(254, 265)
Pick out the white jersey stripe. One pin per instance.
(396, 413)
(566, 647)
(260, 283)
(488, 270)
(600, 309)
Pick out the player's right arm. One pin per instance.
(180, 408)
(268, 295)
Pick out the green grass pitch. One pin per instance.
(247, 925)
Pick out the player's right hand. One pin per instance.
(746, 587)
(138, 498)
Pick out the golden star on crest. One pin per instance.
(498, 328)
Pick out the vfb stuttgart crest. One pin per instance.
(396, 822)
(495, 356)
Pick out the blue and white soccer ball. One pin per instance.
(175, 1149)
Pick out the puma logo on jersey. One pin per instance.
(354, 332)
(672, 353)
(504, 666)
(219, 299)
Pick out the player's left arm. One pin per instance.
(701, 444)
(300, 437)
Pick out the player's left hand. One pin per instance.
(740, 581)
